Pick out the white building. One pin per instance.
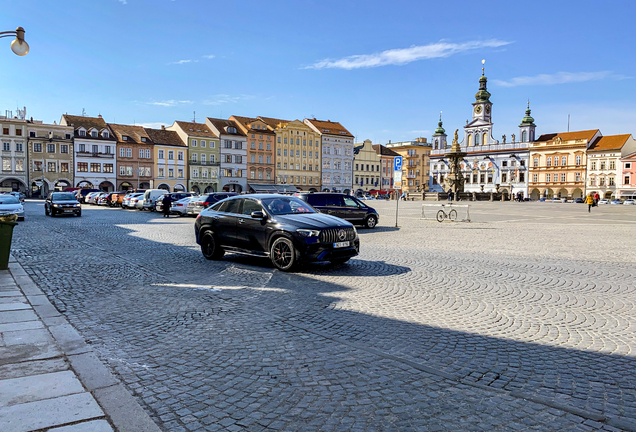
(14, 174)
(95, 145)
(604, 166)
(337, 155)
(490, 165)
(233, 142)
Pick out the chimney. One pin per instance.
(163, 127)
(99, 116)
(389, 141)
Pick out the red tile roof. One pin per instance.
(384, 151)
(610, 142)
(165, 137)
(134, 133)
(196, 129)
(569, 136)
(329, 127)
(222, 126)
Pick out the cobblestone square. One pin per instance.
(523, 319)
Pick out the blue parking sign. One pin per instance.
(397, 166)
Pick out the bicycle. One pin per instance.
(452, 215)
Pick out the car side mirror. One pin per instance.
(258, 215)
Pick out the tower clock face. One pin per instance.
(487, 109)
(478, 109)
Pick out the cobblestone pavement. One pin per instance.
(523, 319)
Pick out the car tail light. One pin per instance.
(199, 215)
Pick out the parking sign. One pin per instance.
(397, 165)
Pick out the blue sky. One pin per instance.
(383, 69)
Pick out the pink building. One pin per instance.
(627, 182)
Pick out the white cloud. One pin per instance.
(403, 56)
(183, 62)
(123, 1)
(558, 78)
(170, 103)
(156, 125)
(209, 56)
(224, 98)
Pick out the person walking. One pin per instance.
(590, 202)
(167, 205)
(596, 198)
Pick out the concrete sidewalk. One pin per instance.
(50, 380)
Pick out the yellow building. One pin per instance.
(171, 160)
(415, 163)
(298, 154)
(367, 173)
(558, 163)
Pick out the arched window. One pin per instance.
(436, 144)
(469, 140)
(477, 139)
(485, 140)
(524, 136)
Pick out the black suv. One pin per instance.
(204, 201)
(343, 206)
(283, 228)
(62, 203)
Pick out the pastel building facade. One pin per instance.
(51, 149)
(387, 161)
(95, 147)
(604, 164)
(135, 159)
(261, 155)
(233, 153)
(366, 168)
(415, 163)
(170, 155)
(15, 164)
(204, 157)
(627, 170)
(337, 155)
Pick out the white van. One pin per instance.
(150, 197)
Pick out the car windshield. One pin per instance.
(286, 205)
(8, 199)
(63, 196)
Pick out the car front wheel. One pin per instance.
(283, 254)
(371, 222)
(210, 247)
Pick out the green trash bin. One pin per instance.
(6, 233)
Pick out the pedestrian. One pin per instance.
(590, 202)
(167, 205)
(596, 198)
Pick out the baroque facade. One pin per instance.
(415, 163)
(203, 156)
(260, 151)
(170, 156)
(366, 171)
(337, 155)
(604, 164)
(233, 142)
(14, 174)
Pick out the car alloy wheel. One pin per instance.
(372, 221)
(283, 254)
(210, 247)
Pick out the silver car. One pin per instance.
(11, 205)
(180, 207)
(126, 202)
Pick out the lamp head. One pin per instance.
(19, 45)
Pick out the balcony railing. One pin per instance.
(97, 155)
(204, 163)
(484, 148)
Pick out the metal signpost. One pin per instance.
(397, 184)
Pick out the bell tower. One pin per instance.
(478, 131)
(439, 137)
(482, 107)
(527, 127)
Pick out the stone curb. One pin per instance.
(121, 408)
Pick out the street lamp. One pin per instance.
(19, 45)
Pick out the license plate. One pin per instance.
(341, 244)
(68, 211)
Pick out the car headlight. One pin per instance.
(355, 230)
(76, 205)
(56, 205)
(308, 232)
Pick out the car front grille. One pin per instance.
(332, 235)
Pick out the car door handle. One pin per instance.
(241, 221)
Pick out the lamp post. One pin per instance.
(19, 45)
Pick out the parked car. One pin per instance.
(9, 204)
(284, 228)
(179, 207)
(62, 203)
(603, 201)
(80, 194)
(19, 195)
(91, 198)
(343, 206)
(103, 198)
(616, 201)
(115, 198)
(201, 202)
(150, 197)
(629, 202)
(559, 200)
(542, 199)
(175, 196)
(126, 201)
(578, 200)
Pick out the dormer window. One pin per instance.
(94, 134)
(82, 132)
(124, 138)
(143, 139)
(231, 130)
(105, 134)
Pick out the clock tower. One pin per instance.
(478, 131)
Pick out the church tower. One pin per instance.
(478, 132)
(527, 127)
(439, 137)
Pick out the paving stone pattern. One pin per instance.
(523, 319)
